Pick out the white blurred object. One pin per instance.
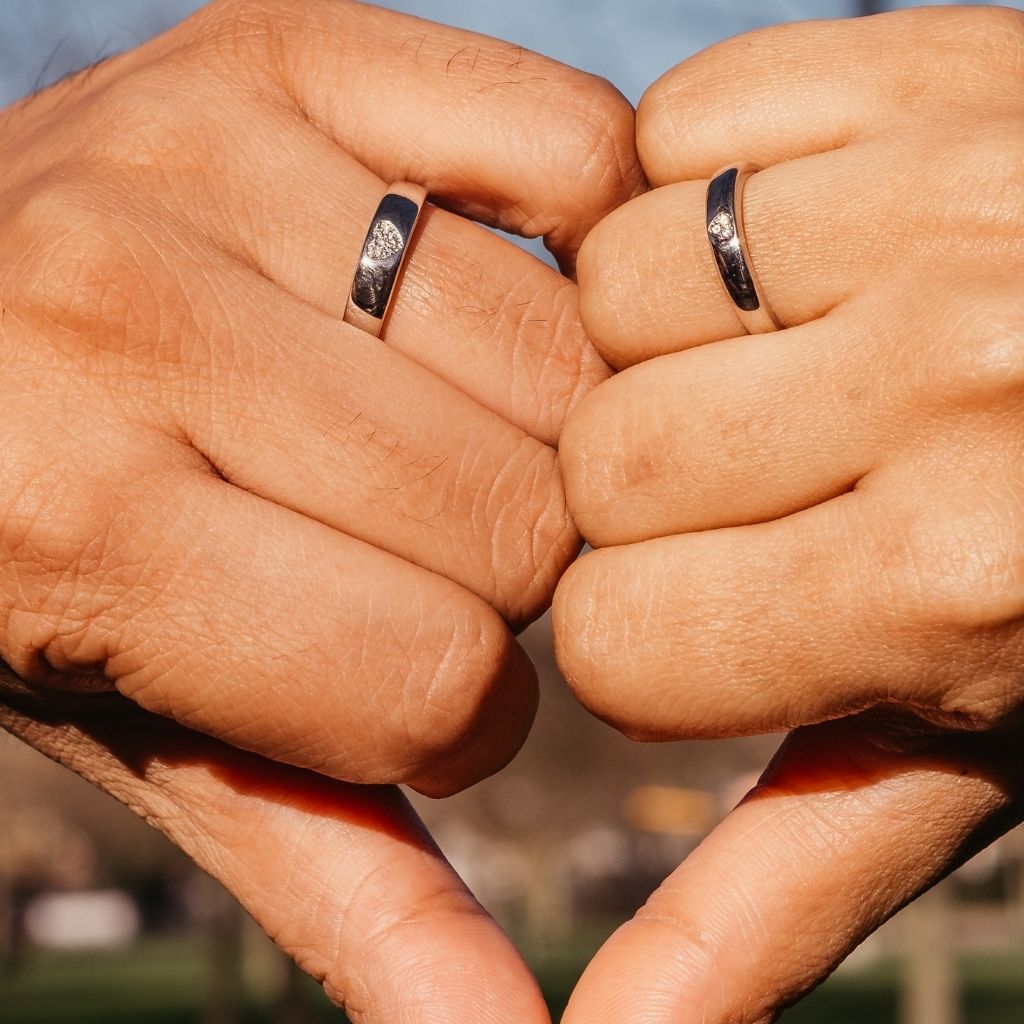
(67, 920)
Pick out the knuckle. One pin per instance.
(595, 474)
(70, 541)
(550, 362)
(955, 597)
(991, 34)
(983, 182)
(984, 358)
(963, 575)
(56, 524)
(656, 105)
(589, 652)
(660, 132)
(82, 268)
(675, 122)
(244, 19)
(594, 154)
(630, 471)
(605, 299)
(608, 134)
(529, 534)
(160, 119)
(571, 366)
(248, 37)
(448, 712)
(434, 909)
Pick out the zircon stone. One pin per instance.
(385, 241)
(722, 226)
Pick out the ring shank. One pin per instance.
(383, 255)
(727, 237)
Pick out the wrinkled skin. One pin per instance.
(249, 555)
(252, 557)
(819, 529)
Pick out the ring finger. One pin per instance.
(819, 230)
(475, 309)
(285, 170)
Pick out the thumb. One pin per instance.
(851, 821)
(344, 878)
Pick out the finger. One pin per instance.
(253, 624)
(851, 821)
(317, 416)
(819, 230)
(761, 427)
(343, 878)
(796, 89)
(887, 595)
(474, 308)
(367, 76)
(294, 405)
(724, 435)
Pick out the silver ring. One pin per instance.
(729, 247)
(384, 251)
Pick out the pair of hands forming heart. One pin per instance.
(258, 566)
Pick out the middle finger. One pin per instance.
(317, 416)
(756, 428)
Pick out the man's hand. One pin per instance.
(821, 525)
(243, 542)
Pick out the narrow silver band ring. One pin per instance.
(729, 247)
(384, 251)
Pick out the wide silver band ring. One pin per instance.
(380, 263)
(729, 247)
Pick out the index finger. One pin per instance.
(498, 133)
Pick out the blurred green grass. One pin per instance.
(164, 981)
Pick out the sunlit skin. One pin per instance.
(819, 529)
(243, 543)
(256, 568)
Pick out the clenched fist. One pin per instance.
(821, 527)
(242, 539)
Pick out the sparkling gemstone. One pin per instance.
(385, 241)
(722, 226)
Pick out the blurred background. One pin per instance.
(563, 845)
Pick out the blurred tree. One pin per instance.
(930, 992)
(224, 999)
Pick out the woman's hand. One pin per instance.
(222, 505)
(821, 525)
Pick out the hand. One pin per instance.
(222, 505)
(821, 525)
